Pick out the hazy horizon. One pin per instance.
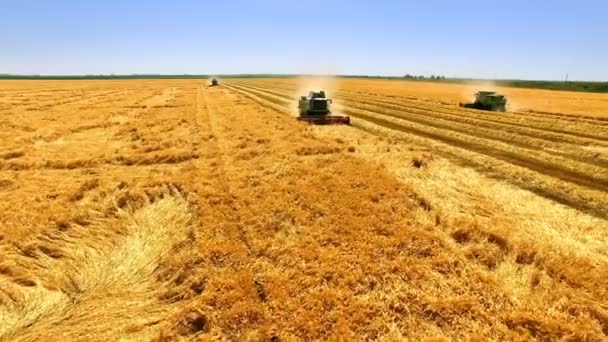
(469, 39)
(271, 75)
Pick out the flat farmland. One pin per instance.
(166, 209)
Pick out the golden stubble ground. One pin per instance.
(160, 210)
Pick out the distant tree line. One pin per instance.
(421, 77)
(583, 86)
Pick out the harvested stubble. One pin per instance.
(205, 214)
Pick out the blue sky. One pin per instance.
(469, 38)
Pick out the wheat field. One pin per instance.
(169, 210)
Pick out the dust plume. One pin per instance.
(304, 84)
(471, 87)
(211, 78)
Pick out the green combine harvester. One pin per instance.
(315, 109)
(488, 100)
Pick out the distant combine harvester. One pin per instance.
(488, 100)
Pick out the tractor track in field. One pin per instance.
(232, 227)
(582, 191)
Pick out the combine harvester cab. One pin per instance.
(213, 82)
(315, 109)
(488, 100)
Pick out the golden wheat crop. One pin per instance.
(166, 210)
